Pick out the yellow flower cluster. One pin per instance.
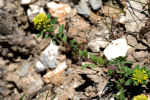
(140, 97)
(41, 21)
(139, 75)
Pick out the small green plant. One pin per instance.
(140, 75)
(45, 24)
(140, 97)
(123, 76)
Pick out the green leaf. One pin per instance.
(129, 62)
(135, 83)
(100, 60)
(110, 72)
(47, 95)
(137, 67)
(61, 29)
(116, 96)
(48, 16)
(148, 72)
(121, 81)
(93, 66)
(143, 68)
(72, 43)
(84, 66)
(40, 34)
(21, 98)
(122, 96)
(143, 82)
(54, 20)
(85, 53)
(64, 38)
(80, 53)
(50, 29)
(128, 82)
(47, 37)
(93, 58)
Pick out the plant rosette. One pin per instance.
(140, 75)
(140, 97)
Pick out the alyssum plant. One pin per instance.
(45, 24)
(124, 77)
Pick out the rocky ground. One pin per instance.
(96, 24)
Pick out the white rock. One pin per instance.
(49, 56)
(26, 2)
(96, 44)
(61, 66)
(23, 2)
(33, 11)
(39, 66)
(54, 75)
(117, 48)
(134, 19)
(122, 19)
(2, 3)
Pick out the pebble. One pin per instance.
(82, 8)
(95, 4)
(96, 44)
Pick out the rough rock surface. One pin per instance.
(13, 42)
(25, 78)
(78, 29)
(134, 23)
(95, 4)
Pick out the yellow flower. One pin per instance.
(41, 21)
(140, 97)
(139, 75)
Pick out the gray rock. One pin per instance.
(4, 91)
(2, 3)
(29, 83)
(96, 44)
(39, 67)
(141, 47)
(24, 70)
(95, 4)
(78, 29)
(141, 55)
(131, 40)
(134, 23)
(48, 58)
(82, 8)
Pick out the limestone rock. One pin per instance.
(27, 2)
(82, 8)
(54, 76)
(48, 58)
(131, 40)
(25, 78)
(78, 29)
(116, 48)
(134, 19)
(96, 44)
(95, 4)
(61, 11)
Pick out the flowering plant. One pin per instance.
(140, 97)
(140, 75)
